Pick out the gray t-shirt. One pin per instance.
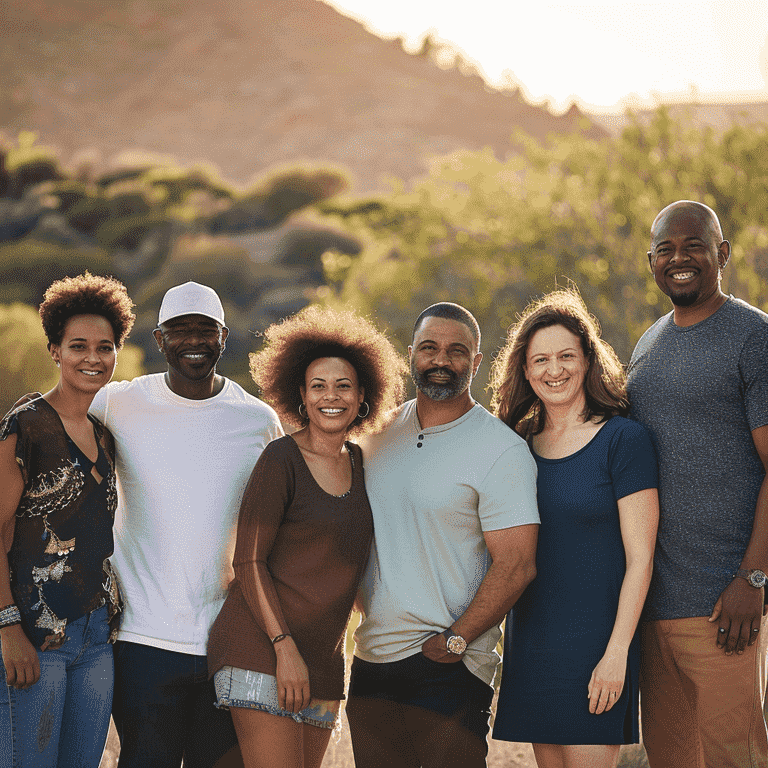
(433, 493)
(700, 391)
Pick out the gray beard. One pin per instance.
(456, 386)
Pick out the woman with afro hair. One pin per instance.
(58, 595)
(276, 649)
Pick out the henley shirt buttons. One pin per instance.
(418, 445)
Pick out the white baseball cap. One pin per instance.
(191, 299)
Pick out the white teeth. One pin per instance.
(91, 373)
(194, 356)
(683, 275)
(332, 411)
(555, 383)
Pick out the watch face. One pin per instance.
(757, 579)
(457, 644)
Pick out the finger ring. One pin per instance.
(721, 630)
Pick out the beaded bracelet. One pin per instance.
(9, 616)
(280, 637)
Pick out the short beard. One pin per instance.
(685, 300)
(456, 386)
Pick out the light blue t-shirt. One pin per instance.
(433, 493)
(700, 391)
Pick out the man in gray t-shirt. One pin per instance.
(453, 496)
(698, 381)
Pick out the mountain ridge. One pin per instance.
(246, 86)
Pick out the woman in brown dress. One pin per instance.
(276, 649)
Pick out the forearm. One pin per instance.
(634, 589)
(261, 596)
(500, 589)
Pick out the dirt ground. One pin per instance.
(501, 754)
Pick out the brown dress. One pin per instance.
(299, 558)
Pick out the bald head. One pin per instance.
(687, 258)
(690, 207)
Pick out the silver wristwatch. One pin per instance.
(755, 577)
(456, 643)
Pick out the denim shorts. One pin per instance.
(254, 690)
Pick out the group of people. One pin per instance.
(619, 521)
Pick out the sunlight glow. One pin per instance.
(597, 53)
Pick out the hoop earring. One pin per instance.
(367, 410)
(302, 415)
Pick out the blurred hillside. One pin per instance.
(718, 116)
(246, 85)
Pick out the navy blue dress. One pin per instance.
(559, 629)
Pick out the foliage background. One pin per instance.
(490, 234)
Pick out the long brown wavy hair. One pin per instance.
(513, 399)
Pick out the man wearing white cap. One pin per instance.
(186, 440)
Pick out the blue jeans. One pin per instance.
(62, 720)
(164, 711)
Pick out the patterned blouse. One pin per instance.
(59, 558)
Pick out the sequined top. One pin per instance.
(59, 558)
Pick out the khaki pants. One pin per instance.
(699, 707)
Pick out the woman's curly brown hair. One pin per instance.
(513, 399)
(291, 345)
(86, 294)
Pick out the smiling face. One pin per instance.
(443, 358)
(556, 366)
(192, 345)
(331, 394)
(687, 255)
(87, 353)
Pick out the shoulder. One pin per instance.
(745, 313)
(30, 412)
(371, 442)
(486, 427)
(651, 335)
(116, 389)
(234, 396)
(279, 448)
(621, 429)
(280, 453)
(117, 401)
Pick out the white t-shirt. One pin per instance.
(182, 467)
(433, 493)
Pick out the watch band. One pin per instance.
(754, 577)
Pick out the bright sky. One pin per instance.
(600, 53)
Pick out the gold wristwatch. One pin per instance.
(456, 643)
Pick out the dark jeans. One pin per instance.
(164, 711)
(417, 713)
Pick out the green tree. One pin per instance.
(493, 234)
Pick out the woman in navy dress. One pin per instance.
(571, 657)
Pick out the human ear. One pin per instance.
(723, 254)
(476, 363)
